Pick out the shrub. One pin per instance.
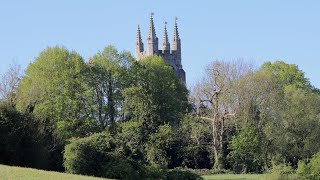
(158, 144)
(246, 151)
(281, 172)
(311, 170)
(202, 172)
(177, 174)
(25, 142)
(98, 155)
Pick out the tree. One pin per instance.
(293, 118)
(216, 100)
(192, 145)
(246, 151)
(9, 84)
(107, 76)
(294, 131)
(155, 95)
(54, 90)
(287, 74)
(18, 137)
(157, 145)
(22, 143)
(258, 94)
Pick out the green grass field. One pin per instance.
(18, 173)
(235, 177)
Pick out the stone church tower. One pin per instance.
(172, 58)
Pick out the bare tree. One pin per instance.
(217, 101)
(9, 83)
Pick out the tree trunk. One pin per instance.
(217, 147)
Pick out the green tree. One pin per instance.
(18, 137)
(131, 136)
(293, 118)
(54, 90)
(107, 75)
(287, 74)
(155, 96)
(156, 101)
(157, 145)
(247, 151)
(294, 130)
(193, 147)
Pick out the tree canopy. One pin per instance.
(116, 117)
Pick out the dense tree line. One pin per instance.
(116, 117)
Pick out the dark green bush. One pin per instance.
(158, 143)
(176, 174)
(246, 151)
(99, 155)
(22, 144)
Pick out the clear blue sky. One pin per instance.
(259, 31)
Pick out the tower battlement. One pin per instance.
(172, 57)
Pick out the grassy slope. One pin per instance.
(18, 173)
(235, 177)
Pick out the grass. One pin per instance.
(234, 177)
(19, 173)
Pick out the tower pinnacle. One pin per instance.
(165, 43)
(139, 43)
(175, 31)
(152, 40)
(152, 31)
(176, 44)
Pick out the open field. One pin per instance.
(19, 173)
(235, 177)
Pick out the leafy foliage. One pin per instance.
(22, 142)
(157, 145)
(310, 170)
(132, 119)
(193, 143)
(155, 95)
(54, 90)
(246, 151)
(100, 155)
(287, 74)
(294, 131)
(17, 137)
(281, 172)
(107, 76)
(182, 175)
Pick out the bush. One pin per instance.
(176, 174)
(98, 155)
(246, 151)
(192, 147)
(158, 144)
(311, 170)
(202, 172)
(281, 172)
(22, 143)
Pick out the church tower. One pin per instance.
(172, 58)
